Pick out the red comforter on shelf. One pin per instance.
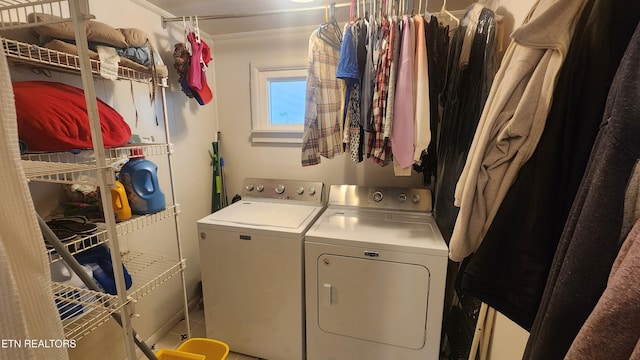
(53, 117)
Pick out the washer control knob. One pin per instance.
(300, 190)
(280, 189)
(249, 187)
(260, 188)
(416, 199)
(402, 197)
(377, 196)
(312, 191)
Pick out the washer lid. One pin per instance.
(257, 213)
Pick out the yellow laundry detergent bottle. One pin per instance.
(121, 207)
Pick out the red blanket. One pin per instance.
(53, 117)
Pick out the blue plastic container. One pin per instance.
(140, 179)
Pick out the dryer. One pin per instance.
(251, 259)
(375, 271)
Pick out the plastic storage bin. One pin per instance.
(168, 354)
(211, 349)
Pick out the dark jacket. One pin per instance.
(510, 268)
(591, 238)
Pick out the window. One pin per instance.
(277, 103)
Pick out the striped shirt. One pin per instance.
(323, 105)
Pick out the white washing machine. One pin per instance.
(375, 266)
(251, 259)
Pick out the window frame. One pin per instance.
(262, 130)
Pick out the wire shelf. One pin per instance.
(82, 310)
(61, 173)
(41, 57)
(69, 168)
(136, 150)
(13, 13)
(136, 223)
(139, 222)
(149, 272)
(79, 245)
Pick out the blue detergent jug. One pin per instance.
(140, 179)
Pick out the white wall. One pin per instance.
(508, 339)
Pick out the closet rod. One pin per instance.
(258, 13)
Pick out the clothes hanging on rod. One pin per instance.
(582, 102)
(386, 67)
(514, 269)
(465, 92)
(591, 240)
(191, 61)
(512, 120)
(437, 37)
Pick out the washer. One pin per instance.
(375, 270)
(251, 259)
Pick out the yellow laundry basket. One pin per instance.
(196, 349)
(211, 349)
(168, 354)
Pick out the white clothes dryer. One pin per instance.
(251, 259)
(375, 271)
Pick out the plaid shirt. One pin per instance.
(323, 106)
(377, 146)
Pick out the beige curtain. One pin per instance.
(27, 307)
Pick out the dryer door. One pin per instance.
(374, 300)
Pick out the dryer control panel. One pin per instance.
(283, 189)
(384, 198)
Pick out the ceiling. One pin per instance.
(287, 20)
(242, 7)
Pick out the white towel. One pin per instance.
(109, 60)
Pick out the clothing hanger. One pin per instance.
(352, 11)
(187, 29)
(334, 22)
(197, 32)
(426, 9)
(326, 13)
(330, 32)
(447, 18)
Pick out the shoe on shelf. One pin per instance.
(79, 225)
(63, 234)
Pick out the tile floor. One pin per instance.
(177, 334)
